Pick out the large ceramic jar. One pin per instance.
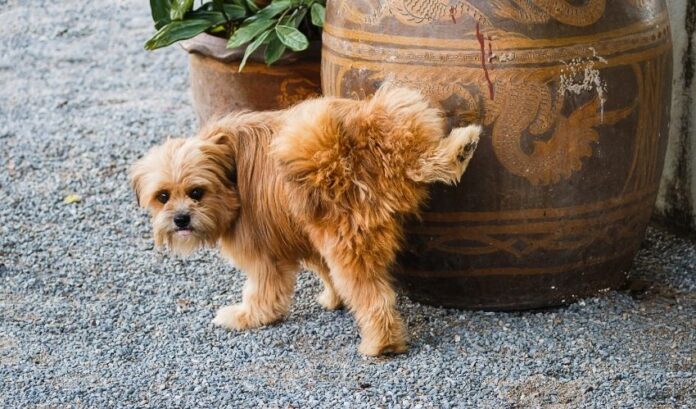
(218, 87)
(574, 97)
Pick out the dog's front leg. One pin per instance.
(266, 297)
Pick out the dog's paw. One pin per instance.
(376, 349)
(467, 139)
(234, 317)
(329, 300)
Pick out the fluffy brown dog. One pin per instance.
(324, 184)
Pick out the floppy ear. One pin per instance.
(222, 131)
(218, 137)
(220, 151)
(222, 137)
(136, 175)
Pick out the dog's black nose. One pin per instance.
(182, 220)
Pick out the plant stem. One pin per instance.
(308, 27)
(283, 15)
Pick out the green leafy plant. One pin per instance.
(278, 25)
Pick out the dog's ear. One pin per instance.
(222, 131)
(221, 147)
(219, 137)
(220, 150)
(136, 175)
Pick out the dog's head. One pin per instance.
(189, 185)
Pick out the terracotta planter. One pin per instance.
(219, 88)
(574, 97)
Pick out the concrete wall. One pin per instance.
(676, 203)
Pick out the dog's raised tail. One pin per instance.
(448, 160)
(338, 155)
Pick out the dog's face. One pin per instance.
(189, 185)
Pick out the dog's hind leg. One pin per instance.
(447, 161)
(359, 265)
(371, 298)
(266, 297)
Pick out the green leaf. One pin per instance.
(179, 8)
(176, 31)
(218, 5)
(234, 11)
(209, 6)
(273, 9)
(252, 47)
(292, 37)
(160, 12)
(252, 6)
(248, 31)
(318, 14)
(214, 17)
(274, 50)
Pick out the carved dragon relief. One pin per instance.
(531, 138)
(416, 12)
(409, 12)
(541, 11)
(530, 108)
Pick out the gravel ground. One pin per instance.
(92, 316)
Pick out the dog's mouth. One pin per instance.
(184, 231)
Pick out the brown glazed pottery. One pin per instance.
(218, 87)
(574, 99)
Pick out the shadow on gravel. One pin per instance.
(647, 291)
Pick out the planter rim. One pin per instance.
(216, 47)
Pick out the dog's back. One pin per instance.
(368, 159)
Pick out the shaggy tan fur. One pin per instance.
(324, 185)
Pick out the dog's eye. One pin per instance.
(163, 197)
(196, 194)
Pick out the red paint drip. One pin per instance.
(481, 41)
